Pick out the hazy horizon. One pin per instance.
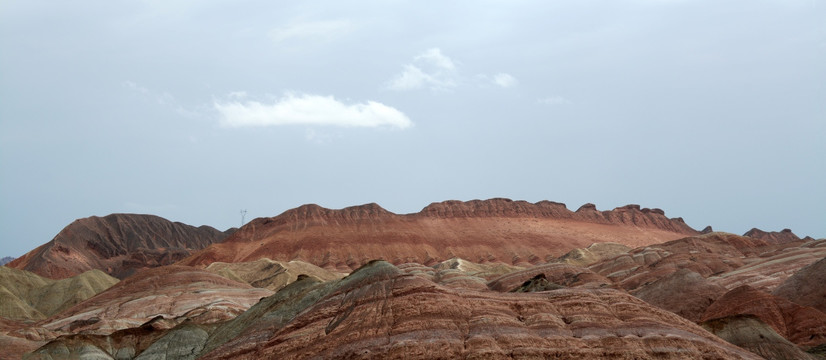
(192, 111)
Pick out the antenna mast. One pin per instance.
(243, 214)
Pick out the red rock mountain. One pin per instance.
(382, 312)
(495, 230)
(773, 237)
(118, 244)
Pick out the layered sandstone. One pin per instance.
(270, 274)
(516, 233)
(751, 333)
(594, 253)
(118, 244)
(684, 292)
(12, 347)
(801, 325)
(707, 255)
(149, 315)
(381, 312)
(564, 275)
(772, 267)
(175, 293)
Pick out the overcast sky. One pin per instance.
(714, 111)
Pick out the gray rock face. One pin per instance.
(749, 333)
(182, 343)
(5, 260)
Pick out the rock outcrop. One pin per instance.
(269, 274)
(594, 253)
(118, 244)
(516, 233)
(564, 275)
(483, 271)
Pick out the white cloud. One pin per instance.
(164, 99)
(135, 87)
(415, 78)
(237, 94)
(314, 30)
(504, 80)
(554, 100)
(307, 109)
(430, 69)
(437, 72)
(435, 57)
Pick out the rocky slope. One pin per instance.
(381, 312)
(170, 292)
(707, 255)
(724, 259)
(118, 244)
(562, 275)
(594, 253)
(684, 292)
(806, 287)
(270, 274)
(130, 317)
(767, 270)
(801, 325)
(492, 231)
(722, 279)
(750, 333)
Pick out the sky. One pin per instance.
(714, 111)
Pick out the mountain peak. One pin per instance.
(118, 244)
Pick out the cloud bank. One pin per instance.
(308, 109)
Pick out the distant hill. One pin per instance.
(28, 296)
(117, 244)
(484, 231)
(6, 260)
